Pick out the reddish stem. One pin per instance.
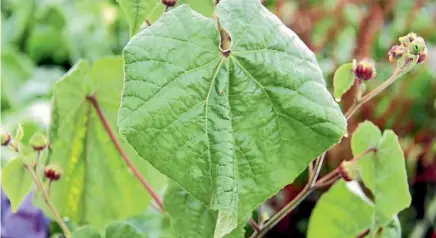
(92, 99)
(254, 224)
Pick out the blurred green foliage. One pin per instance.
(42, 39)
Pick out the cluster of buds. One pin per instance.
(53, 172)
(349, 170)
(38, 141)
(364, 69)
(411, 47)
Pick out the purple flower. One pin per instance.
(28, 222)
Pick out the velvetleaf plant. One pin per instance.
(231, 109)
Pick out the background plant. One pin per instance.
(61, 21)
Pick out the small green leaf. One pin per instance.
(393, 229)
(343, 80)
(383, 172)
(19, 134)
(190, 218)
(86, 232)
(137, 11)
(340, 213)
(231, 131)
(121, 230)
(96, 186)
(16, 182)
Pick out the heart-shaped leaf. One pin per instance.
(96, 187)
(231, 130)
(16, 182)
(383, 171)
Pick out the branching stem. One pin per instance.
(46, 198)
(311, 186)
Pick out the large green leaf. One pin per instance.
(190, 218)
(96, 187)
(231, 131)
(383, 172)
(137, 11)
(113, 230)
(340, 213)
(16, 182)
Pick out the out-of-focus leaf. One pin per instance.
(96, 187)
(205, 7)
(15, 18)
(343, 80)
(340, 213)
(352, 14)
(220, 126)
(16, 182)
(48, 38)
(345, 44)
(16, 69)
(39, 84)
(137, 11)
(383, 171)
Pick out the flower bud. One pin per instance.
(349, 170)
(169, 3)
(38, 141)
(422, 56)
(53, 172)
(396, 52)
(364, 70)
(6, 138)
(417, 46)
(409, 38)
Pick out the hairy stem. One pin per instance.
(254, 224)
(358, 103)
(46, 198)
(93, 100)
